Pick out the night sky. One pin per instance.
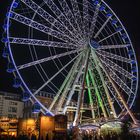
(128, 12)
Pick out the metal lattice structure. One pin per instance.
(77, 50)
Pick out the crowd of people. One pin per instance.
(81, 136)
(93, 135)
(20, 137)
(112, 136)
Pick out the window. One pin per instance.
(12, 116)
(13, 103)
(12, 109)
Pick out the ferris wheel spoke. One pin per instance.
(54, 86)
(65, 83)
(90, 96)
(108, 37)
(77, 15)
(86, 19)
(77, 79)
(113, 78)
(116, 67)
(70, 16)
(37, 91)
(113, 46)
(119, 82)
(103, 26)
(113, 56)
(113, 93)
(93, 21)
(67, 95)
(40, 43)
(46, 59)
(40, 27)
(97, 93)
(91, 6)
(108, 97)
(54, 22)
(61, 17)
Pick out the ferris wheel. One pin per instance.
(78, 51)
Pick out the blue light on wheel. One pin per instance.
(124, 36)
(130, 52)
(5, 53)
(102, 8)
(47, 114)
(119, 28)
(17, 83)
(4, 40)
(15, 4)
(9, 14)
(96, 2)
(109, 14)
(36, 108)
(114, 21)
(25, 96)
(10, 67)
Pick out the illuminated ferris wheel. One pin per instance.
(76, 50)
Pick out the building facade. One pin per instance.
(44, 97)
(8, 126)
(11, 105)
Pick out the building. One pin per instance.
(46, 99)
(11, 105)
(53, 127)
(8, 126)
(43, 97)
(28, 127)
(27, 111)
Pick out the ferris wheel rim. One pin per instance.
(25, 85)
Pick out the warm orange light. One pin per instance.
(30, 121)
(44, 118)
(13, 133)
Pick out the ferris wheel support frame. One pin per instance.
(103, 82)
(81, 94)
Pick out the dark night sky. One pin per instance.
(6, 79)
(128, 12)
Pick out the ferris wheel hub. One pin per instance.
(94, 44)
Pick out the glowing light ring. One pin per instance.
(72, 41)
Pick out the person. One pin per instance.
(95, 138)
(13, 137)
(33, 137)
(42, 138)
(79, 137)
(47, 136)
